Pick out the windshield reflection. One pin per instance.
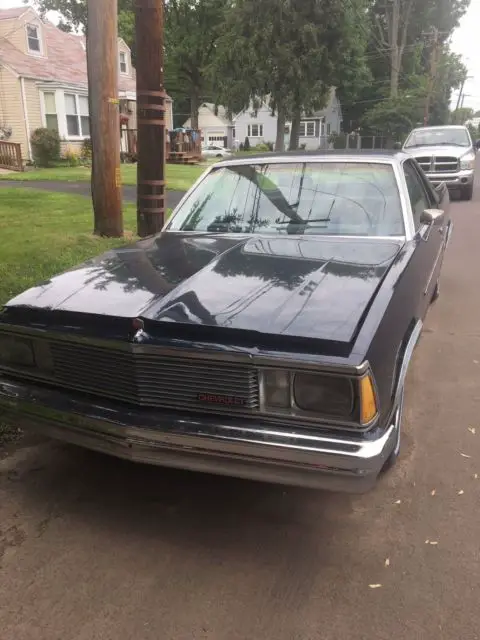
(321, 198)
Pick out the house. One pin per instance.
(215, 126)
(260, 125)
(43, 81)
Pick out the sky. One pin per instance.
(464, 41)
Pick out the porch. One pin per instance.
(181, 147)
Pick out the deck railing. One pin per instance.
(11, 156)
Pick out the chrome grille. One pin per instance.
(156, 380)
(439, 164)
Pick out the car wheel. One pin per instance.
(219, 155)
(393, 457)
(436, 293)
(467, 192)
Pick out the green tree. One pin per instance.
(412, 67)
(461, 115)
(192, 29)
(287, 51)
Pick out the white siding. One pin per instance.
(262, 117)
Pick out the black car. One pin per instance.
(266, 333)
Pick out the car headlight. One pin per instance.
(467, 162)
(324, 395)
(16, 352)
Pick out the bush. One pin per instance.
(246, 144)
(86, 152)
(262, 147)
(72, 156)
(45, 147)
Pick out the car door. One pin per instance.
(429, 239)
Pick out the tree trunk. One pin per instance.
(281, 119)
(295, 130)
(194, 107)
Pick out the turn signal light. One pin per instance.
(368, 402)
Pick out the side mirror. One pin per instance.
(397, 146)
(432, 217)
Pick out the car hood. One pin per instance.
(438, 150)
(305, 286)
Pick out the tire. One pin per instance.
(436, 293)
(393, 457)
(219, 155)
(466, 193)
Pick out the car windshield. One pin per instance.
(434, 137)
(328, 198)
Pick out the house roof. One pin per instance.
(221, 112)
(66, 59)
(16, 12)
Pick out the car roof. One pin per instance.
(441, 126)
(348, 155)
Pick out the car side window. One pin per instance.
(416, 191)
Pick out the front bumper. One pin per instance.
(452, 180)
(225, 446)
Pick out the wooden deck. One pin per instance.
(11, 156)
(185, 148)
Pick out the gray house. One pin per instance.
(260, 126)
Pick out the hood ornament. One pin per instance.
(138, 327)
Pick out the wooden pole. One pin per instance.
(102, 61)
(151, 117)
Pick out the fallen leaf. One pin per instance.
(398, 502)
(472, 430)
(464, 455)
(475, 475)
(432, 493)
(461, 492)
(387, 562)
(374, 586)
(432, 542)
(475, 362)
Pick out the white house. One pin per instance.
(260, 126)
(214, 125)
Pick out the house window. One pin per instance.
(33, 39)
(51, 118)
(329, 129)
(123, 62)
(76, 111)
(307, 129)
(255, 131)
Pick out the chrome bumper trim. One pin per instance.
(239, 448)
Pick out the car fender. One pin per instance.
(404, 358)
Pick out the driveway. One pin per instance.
(84, 189)
(92, 547)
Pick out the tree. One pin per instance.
(411, 66)
(286, 52)
(461, 115)
(192, 28)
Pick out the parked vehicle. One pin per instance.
(214, 151)
(266, 333)
(446, 154)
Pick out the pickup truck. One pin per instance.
(446, 154)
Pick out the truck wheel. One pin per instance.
(393, 457)
(467, 192)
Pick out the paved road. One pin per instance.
(84, 189)
(92, 547)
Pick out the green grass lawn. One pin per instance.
(43, 233)
(179, 177)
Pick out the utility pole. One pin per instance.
(149, 16)
(102, 62)
(434, 59)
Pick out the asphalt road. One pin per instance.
(84, 189)
(92, 547)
